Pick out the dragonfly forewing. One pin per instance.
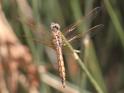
(41, 36)
(45, 37)
(88, 17)
(92, 31)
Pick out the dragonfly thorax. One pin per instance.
(55, 26)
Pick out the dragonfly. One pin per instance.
(54, 39)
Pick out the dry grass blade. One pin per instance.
(54, 82)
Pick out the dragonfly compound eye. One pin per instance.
(55, 25)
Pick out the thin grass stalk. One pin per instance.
(27, 17)
(29, 42)
(88, 7)
(92, 62)
(35, 12)
(81, 63)
(35, 5)
(115, 20)
(53, 12)
(76, 9)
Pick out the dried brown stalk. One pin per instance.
(14, 58)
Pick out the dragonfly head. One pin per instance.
(55, 26)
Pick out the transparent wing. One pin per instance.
(39, 36)
(44, 37)
(90, 16)
(39, 41)
(47, 42)
(92, 31)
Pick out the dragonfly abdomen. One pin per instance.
(57, 41)
(61, 67)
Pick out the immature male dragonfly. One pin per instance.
(56, 40)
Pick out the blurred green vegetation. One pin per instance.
(102, 67)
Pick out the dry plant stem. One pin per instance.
(3, 87)
(6, 32)
(54, 81)
(13, 55)
(48, 79)
(81, 63)
(13, 76)
(24, 82)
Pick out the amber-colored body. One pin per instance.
(57, 42)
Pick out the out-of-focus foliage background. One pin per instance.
(102, 55)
